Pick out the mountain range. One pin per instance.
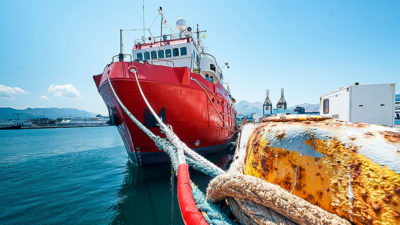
(51, 113)
(243, 107)
(246, 108)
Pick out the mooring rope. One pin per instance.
(214, 215)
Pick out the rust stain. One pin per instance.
(301, 118)
(397, 190)
(396, 215)
(324, 181)
(390, 136)
(369, 134)
(360, 125)
(280, 135)
(376, 207)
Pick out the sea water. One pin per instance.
(82, 176)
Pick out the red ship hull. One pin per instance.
(204, 122)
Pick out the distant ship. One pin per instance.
(184, 85)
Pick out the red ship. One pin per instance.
(182, 83)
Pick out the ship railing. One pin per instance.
(165, 37)
(124, 55)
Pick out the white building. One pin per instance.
(14, 123)
(372, 104)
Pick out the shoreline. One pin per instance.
(53, 127)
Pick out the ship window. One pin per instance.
(194, 54)
(326, 106)
(197, 58)
(175, 52)
(212, 79)
(139, 56)
(146, 55)
(212, 67)
(160, 54)
(183, 51)
(153, 54)
(168, 53)
(207, 77)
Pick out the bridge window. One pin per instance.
(168, 53)
(160, 54)
(175, 51)
(146, 55)
(139, 56)
(183, 51)
(153, 54)
(212, 67)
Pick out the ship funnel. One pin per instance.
(282, 102)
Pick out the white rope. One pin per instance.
(170, 135)
(182, 147)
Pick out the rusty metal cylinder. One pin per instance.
(350, 169)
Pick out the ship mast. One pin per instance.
(144, 27)
(162, 19)
(198, 36)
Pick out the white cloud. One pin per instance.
(63, 90)
(44, 97)
(7, 92)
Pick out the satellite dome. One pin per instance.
(180, 24)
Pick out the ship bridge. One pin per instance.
(178, 50)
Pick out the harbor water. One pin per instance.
(82, 176)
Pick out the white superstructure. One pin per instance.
(372, 104)
(179, 50)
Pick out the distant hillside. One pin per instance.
(244, 107)
(51, 113)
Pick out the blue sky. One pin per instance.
(51, 49)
